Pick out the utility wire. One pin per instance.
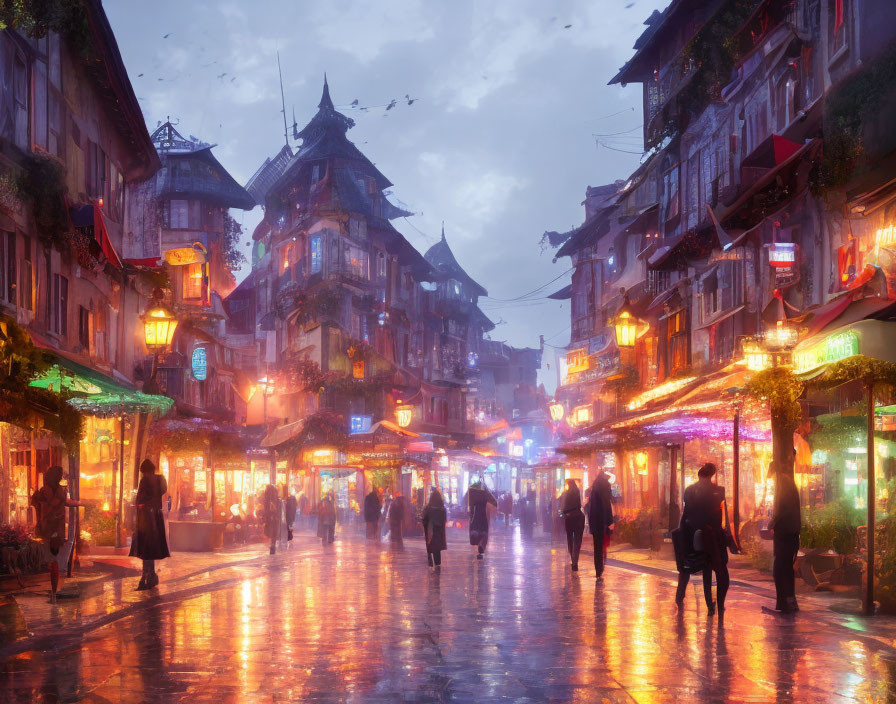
(536, 290)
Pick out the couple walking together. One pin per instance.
(599, 512)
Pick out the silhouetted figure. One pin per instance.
(599, 510)
(149, 542)
(434, 519)
(50, 502)
(372, 510)
(478, 500)
(271, 516)
(396, 521)
(573, 520)
(786, 523)
(326, 520)
(701, 521)
(292, 507)
(527, 514)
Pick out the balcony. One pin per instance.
(660, 94)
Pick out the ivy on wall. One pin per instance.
(36, 18)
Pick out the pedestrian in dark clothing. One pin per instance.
(149, 542)
(599, 510)
(292, 507)
(527, 514)
(434, 519)
(786, 524)
(271, 515)
(701, 522)
(573, 520)
(478, 499)
(396, 520)
(372, 509)
(303, 509)
(326, 520)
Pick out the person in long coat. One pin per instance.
(434, 519)
(478, 500)
(573, 521)
(703, 512)
(326, 520)
(396, 521)
(527, 514)
(373, 508)
(292, 507)
(149, 542)
(271, 515)
(599, 510)
(786, 524)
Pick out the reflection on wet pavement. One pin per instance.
(359, 624)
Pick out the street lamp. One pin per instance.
(628, 326)
(159, 325)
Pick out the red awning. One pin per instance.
(771, 152)
(90, 216)
(149, 262)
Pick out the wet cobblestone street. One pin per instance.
(359, 623)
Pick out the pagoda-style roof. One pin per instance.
(443, 260)
(190, 170)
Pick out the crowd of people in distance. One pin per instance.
(701, 542)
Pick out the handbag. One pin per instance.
(730, 541)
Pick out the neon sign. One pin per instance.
(199, 364)
(831, 349)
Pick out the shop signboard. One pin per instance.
(199, 364)
(833, 348)
(182, 256)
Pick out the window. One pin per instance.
(193, 280)
(96, 170)
(316, 246)
(356, 261)
(357, 229)
(693, 197)
(670, 194)
(837, 16)
(317, 172)
(178, 217)
(84, 328)
(39, 104)
(381, 265)
(8, 257)
(99, 334)
(59, 305)
(26, 285)
(286, 258)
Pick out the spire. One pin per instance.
(443, 231)
(325, 101)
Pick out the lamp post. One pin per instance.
(159, 325)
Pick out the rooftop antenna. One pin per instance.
(283, 102)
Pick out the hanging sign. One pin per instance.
(199, 364)
(831, 349)
(782, 254)
(184, 255)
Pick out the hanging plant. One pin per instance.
(42, 182)
(779, 388)
(35, 18)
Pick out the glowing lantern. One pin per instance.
(557, 411)
(358, 370)
(404, 415)
(628, 327)
(782, 336)
(641, 462)
(158, 328)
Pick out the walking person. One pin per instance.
(786, 524)
(478, 500)
(326, 520)
(527, 514)
(149, 542)
(599, 510)
(396, 521)
(434, 519)
(372, 509)
(701, 521)
(271, 516)
(292, 507)
(573, 520)
(50, 502)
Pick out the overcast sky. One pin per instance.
(499, 141)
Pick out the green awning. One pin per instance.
(96, 394)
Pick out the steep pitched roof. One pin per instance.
(443, 260)
(190, 170)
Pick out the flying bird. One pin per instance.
(391, 105)
(221, 75)
(567, 26)
(233, 79)
(411, 101)
(139, 75)
(354, 103)
(167, 35)
(629, 6)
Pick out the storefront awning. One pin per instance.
(96, 394)
(90, 219)
(282, 434)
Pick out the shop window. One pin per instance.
(59, 305)
(193, 281)
(315, 244)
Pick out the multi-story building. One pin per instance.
(180, 229)
(73, 145)
(761, 202)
